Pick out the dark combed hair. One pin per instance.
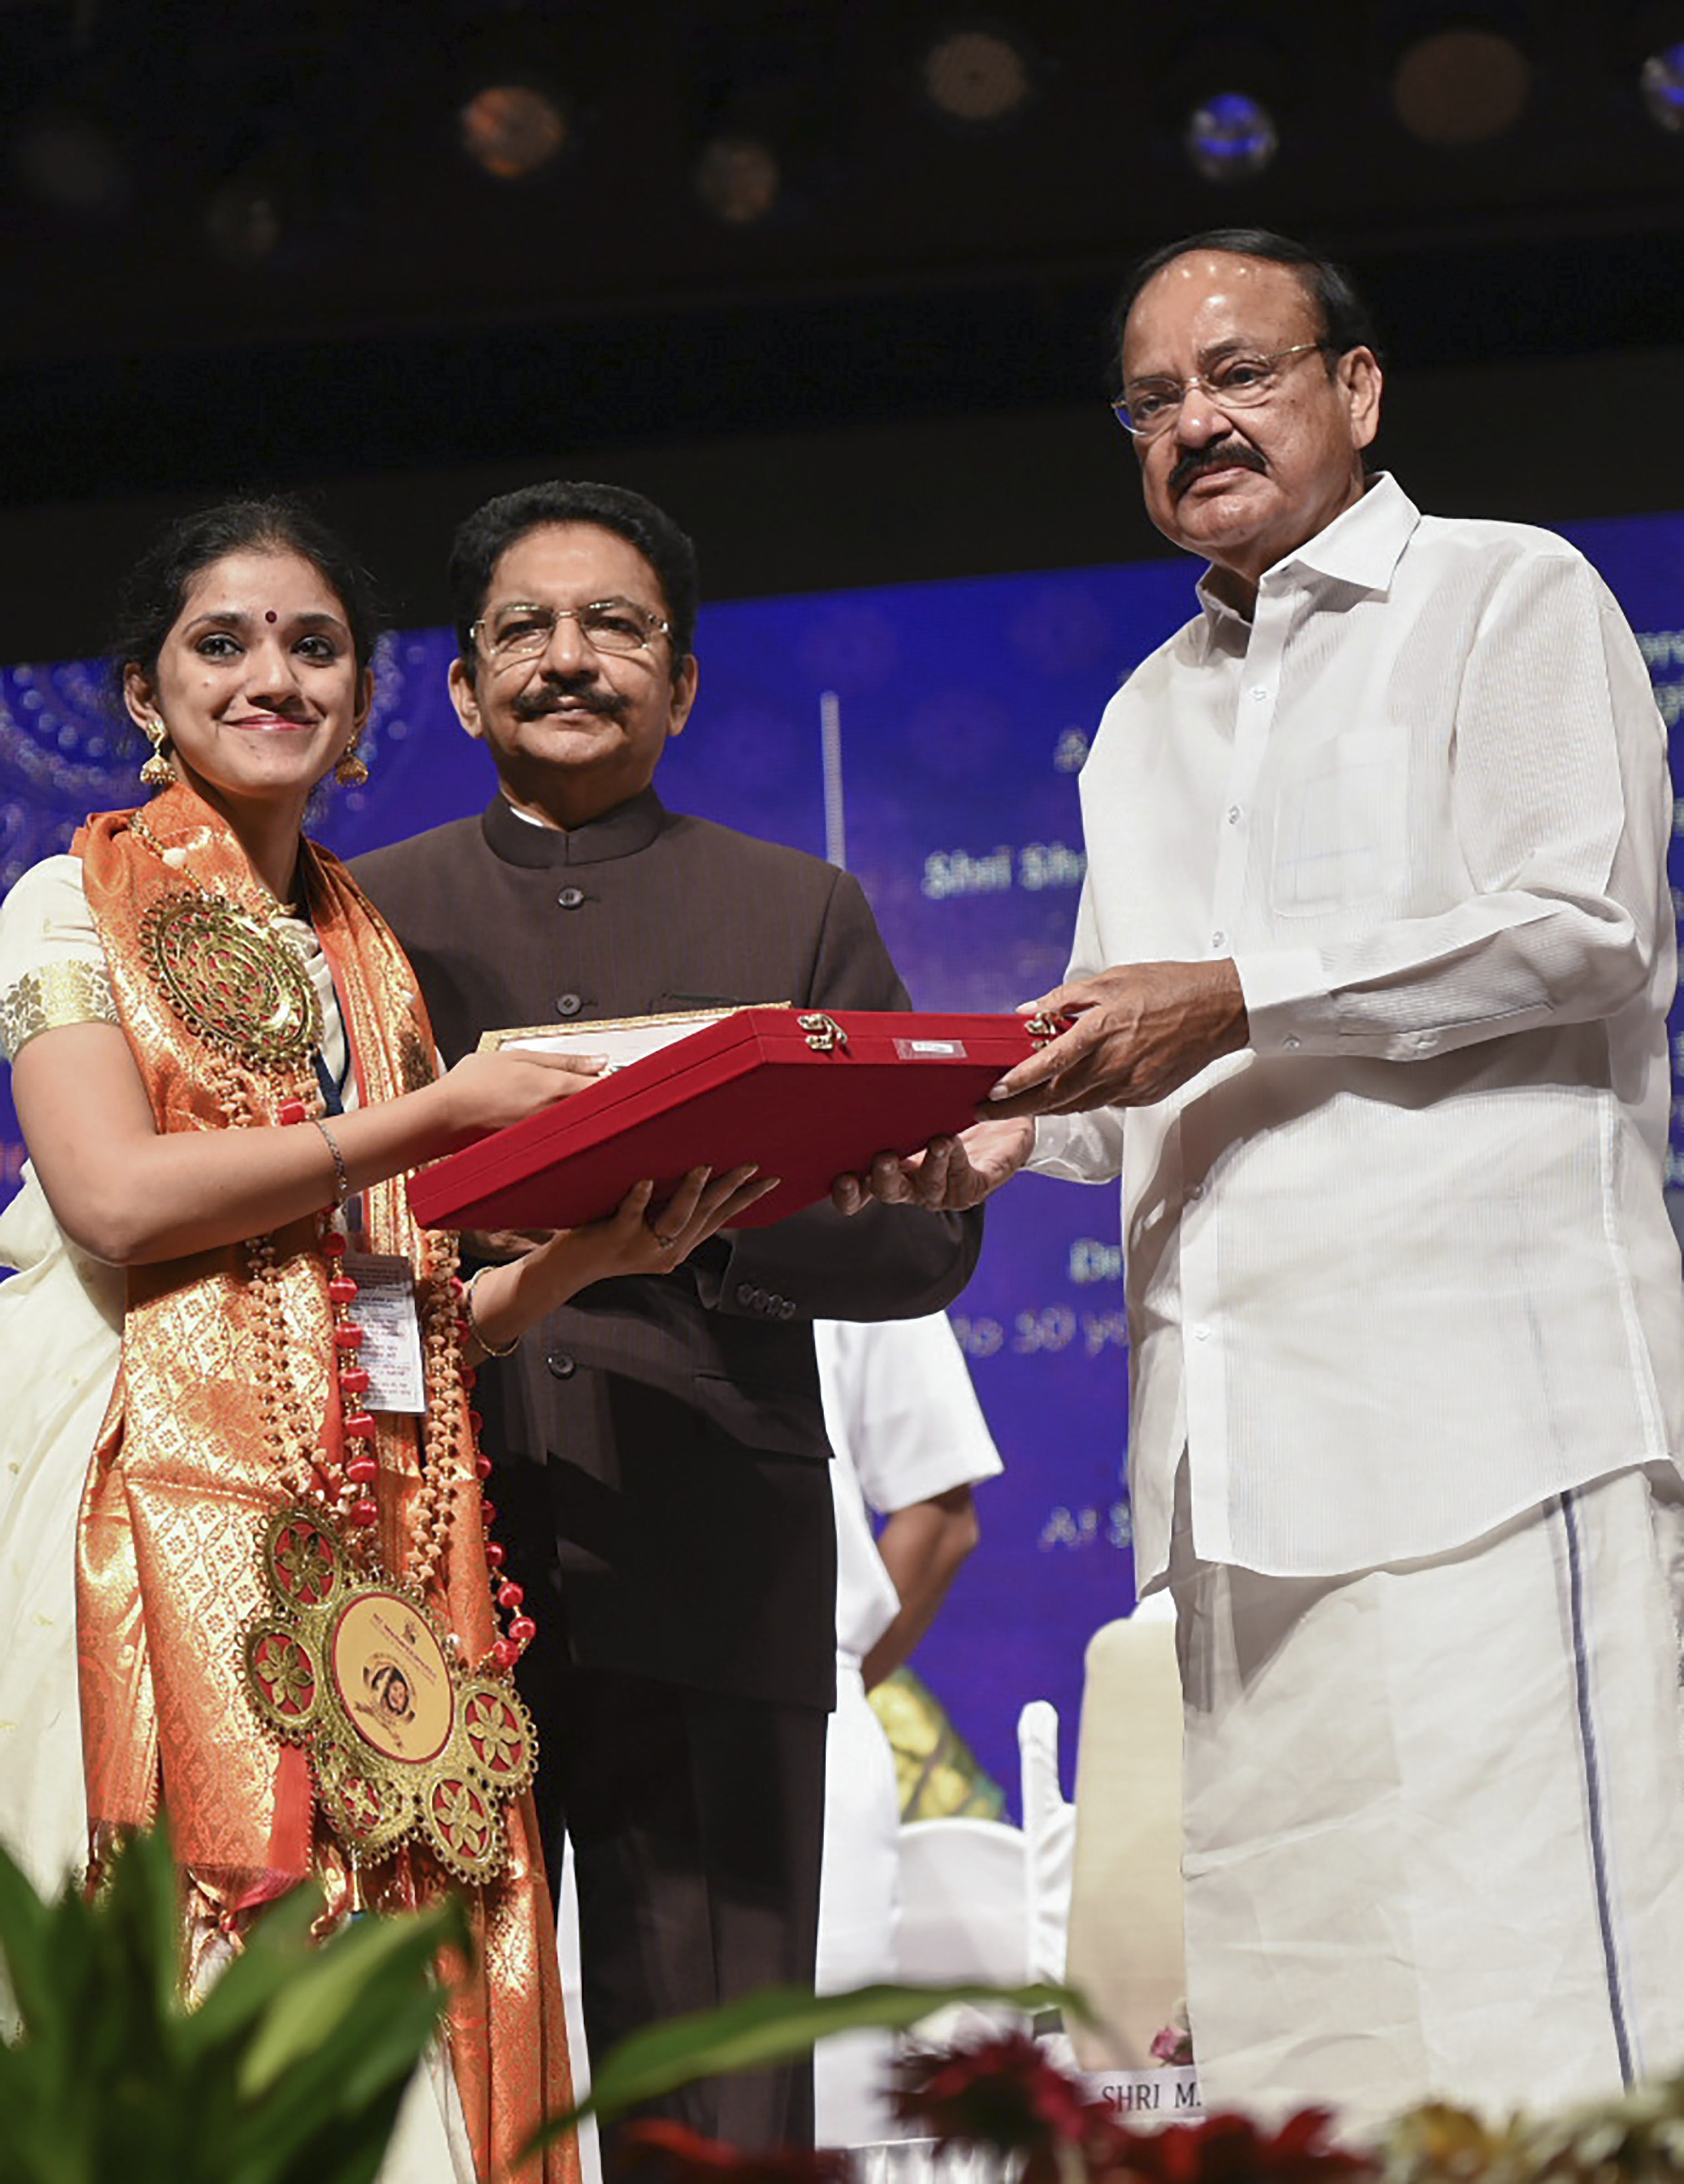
(1345, 322)
(150, 601)
(490, 531)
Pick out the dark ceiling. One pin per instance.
(242, 239)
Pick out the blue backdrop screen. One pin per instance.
(929, 736)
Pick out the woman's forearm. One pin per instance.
(508, 1298)
(128, 1194)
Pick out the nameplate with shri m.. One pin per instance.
(1166, 2094)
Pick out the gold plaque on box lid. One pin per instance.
(402, 1742)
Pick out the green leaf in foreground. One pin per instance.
(291, 2070)
(771, 2026)
(330, 1987)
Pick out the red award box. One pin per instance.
(806, 1096)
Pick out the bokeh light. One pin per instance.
(1231, 136)
(512, 130)
(976, 76)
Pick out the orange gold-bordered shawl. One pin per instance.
(225, 1383)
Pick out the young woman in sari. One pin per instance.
(238, 1375)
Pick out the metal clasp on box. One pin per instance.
(823, 1034)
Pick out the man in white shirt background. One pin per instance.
(909, 1442)
(1370, 987)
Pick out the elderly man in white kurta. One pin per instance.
(1369, 991)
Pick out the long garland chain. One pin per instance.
(448, 1382)
(303, 1461)
(447, 1336)
(448, 1478)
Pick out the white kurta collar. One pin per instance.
(1361, 547)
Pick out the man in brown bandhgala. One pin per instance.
(661, 1459)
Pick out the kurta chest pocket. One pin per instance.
(1340, 824)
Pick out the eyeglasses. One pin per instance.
(523, 630)
(1239, 382)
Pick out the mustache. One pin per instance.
(549, 696)
(1219, 456)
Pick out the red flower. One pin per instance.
(657, 2151)
(1230, 2149)
(1004, 2093)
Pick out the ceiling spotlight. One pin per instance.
(1661, 81)
(1461, 86)
(66, 160)
(512, 130)
(738, 178)
(976, 76)
(1231, 138)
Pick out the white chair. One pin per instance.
(964, 1915)
(982, 1900)
(1049, 1840)
(965, 1896)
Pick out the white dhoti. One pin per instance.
(1434, 1818)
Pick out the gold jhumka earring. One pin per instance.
(158, 772)
(351, 772)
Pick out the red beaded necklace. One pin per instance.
(349, 1496)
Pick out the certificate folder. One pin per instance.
(807, 1095)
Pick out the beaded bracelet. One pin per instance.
(342, 1180)
(473, 1327)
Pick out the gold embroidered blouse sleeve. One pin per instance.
(52, 970)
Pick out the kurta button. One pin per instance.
(570, 898)
(744, 1294)
(569, 1005)
(1200, 1333)
(561, 1365)
(786, 1309)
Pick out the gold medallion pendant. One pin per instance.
(403, 1742)
(232, 980)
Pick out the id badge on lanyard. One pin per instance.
(390, 1354)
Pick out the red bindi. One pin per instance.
(272, 615)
